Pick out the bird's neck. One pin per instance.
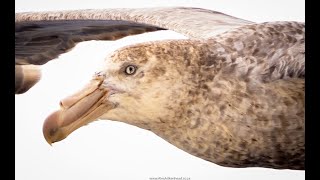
(233, 124)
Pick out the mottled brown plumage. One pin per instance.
(221, 101)
(233, 97)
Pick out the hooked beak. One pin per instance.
(78, 110)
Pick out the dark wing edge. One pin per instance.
(37, 42)
(43, 36)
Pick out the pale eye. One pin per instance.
(130, 70)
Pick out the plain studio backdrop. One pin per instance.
(114, 150)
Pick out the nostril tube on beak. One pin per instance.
(73, 99)
(62, 106)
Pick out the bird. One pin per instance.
(231, 94)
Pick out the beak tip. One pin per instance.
(50, 143)
(50, 127)
(47, 138)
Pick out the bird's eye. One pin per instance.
(130, 70)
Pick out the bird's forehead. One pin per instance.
(138, 54)
(109, 64)
(142, 54)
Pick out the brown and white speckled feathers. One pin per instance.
(277, 47)
(42, 36)
(232, 95)
(236, 100)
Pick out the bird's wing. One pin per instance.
(42, 36)
(266, 51)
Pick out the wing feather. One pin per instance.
(43, 36)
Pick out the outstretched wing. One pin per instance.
(43, 36)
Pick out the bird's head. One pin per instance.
(139, 85)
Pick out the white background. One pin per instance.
(113, 150)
